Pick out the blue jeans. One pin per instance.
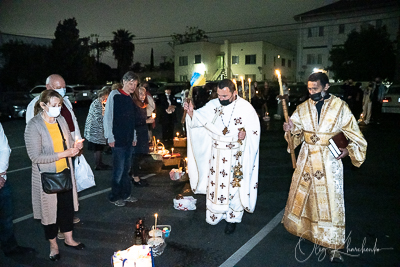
(121, 181)
(7, 238)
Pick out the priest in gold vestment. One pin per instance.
(315, 207)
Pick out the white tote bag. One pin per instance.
(83, 174)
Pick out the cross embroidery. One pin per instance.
(224, 160)
(230, 145)
(215, 143)
(318, 174)
(231, 215)
(216, 110)
(306, 176)
(212, 183)
(212, 195)
(223, 173)
(255, 132)
(238, 154)
(221, 113)
(212, 170)
(314, 138)
(213, 217)
(221, 198)
(256, 186)
(222, 185)
(238, 121)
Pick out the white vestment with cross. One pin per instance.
(213, 155)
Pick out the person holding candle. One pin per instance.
(315, 206)
(50, 147)
(119, 124)
(150, 109)
(279, 113)
(223, 143)
(57, 83)
(168, 116)
(141, 137)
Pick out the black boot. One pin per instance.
(230, 228)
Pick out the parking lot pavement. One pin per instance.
(260, 240)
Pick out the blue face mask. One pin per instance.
(61, 91)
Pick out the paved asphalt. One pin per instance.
(371, 199)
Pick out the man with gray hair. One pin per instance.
(119, 125)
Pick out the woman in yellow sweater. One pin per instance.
(45, 137)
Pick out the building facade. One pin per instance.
(255, 60)
(327, 27)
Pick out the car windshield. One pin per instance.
(394, 90)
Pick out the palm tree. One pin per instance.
(123, 49)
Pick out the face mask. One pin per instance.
(54, 111)
(318, 96)
(61, 91)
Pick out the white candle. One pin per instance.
(234, 81)
(244, 94)
(249, 90)
(280, 81)
(155, 225)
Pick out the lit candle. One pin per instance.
(172, 149)
(234, 81)
(153, 115)
(280, 81)
(155, 225)
(177, 134)
(244, 94)
(158, 140)
(249, 90)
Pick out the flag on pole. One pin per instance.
(197, 79)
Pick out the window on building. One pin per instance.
(341, 29)
(250, 59)
(265, 59)
(283, 62)
(235, 59)
(319, 60)
(183, 78)
(289, 63)
(183, 61)
(310, 59)
(378, 23)
(321, 31)
(197, 59)
(313, 32)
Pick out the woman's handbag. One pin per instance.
(56, 182)
(83, 174)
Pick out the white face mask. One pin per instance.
(54, 112)
(61, 91)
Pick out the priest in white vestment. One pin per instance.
(315, 206)
(223, 149)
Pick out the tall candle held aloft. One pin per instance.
(234, 81)
(280, 81)
(155, 224)
(249, 90)
(243, 92)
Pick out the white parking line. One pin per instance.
(23, 218)
(241, 252)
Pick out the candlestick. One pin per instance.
(278, 73)
(249, 90)
(155, 225)
(244, 94)
(234, 81)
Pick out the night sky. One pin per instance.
(149, 19)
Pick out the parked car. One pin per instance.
(391, 101)
(14, 104)
(83, 94)
(298, 93)
(35, 91)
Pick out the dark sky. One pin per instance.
(150, 19)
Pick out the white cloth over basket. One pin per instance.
(185, 203)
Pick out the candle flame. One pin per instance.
(177, 134)
(234, 81)
(278, 73)
(156, 215)
(153, 115)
